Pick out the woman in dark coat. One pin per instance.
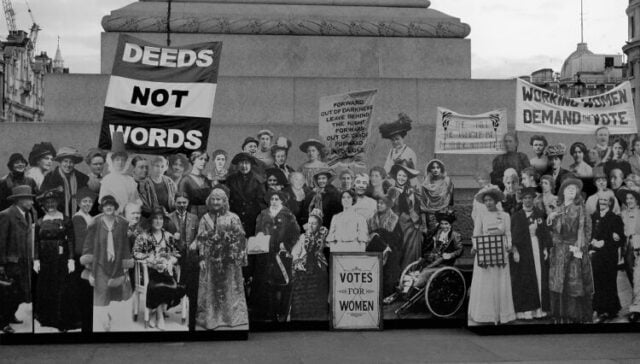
(271, 288)
(66, 176)
(297, 193)
(529, 265)
(81, 221)
(56, 303)
(606, 238)
(386, 237)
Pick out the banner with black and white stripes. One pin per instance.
(161, 98)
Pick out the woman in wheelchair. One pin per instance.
(156, 248)
(442, 247)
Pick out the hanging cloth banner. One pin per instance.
(345, 125)
(161, 98)
(470, 134)
(542, 111)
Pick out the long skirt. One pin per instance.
(57, 301)
(163, 289)
(571, 285)
(490, 299)
(411, 241)
(605, 275)
(309, 296)
(221, 300)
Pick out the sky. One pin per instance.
(508, 38)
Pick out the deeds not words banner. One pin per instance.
(161, 98)
(542, 111)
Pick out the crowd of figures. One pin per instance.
(564, 233)
(177, 229)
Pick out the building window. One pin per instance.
(608, 62)
(632, 67)
(632, 27)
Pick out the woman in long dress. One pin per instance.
(157, 248)
(549, 200)
(81, 222)
(384, 224)
(310, 285)
(348, 231)
(315, 151)
(411, 217)
(222, 247)
(271, 286)
(437, 191)
(570, 280)
(490, 297)
(56, 303)
(196, 184)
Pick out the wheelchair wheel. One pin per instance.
(445, 292)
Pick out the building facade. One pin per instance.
(632, 50)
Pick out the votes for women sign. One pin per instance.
(345, 125)
(542, 111)
(356, 291)
(161, 98)
(470, 134)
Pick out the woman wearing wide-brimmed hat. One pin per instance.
(490, 295)
(67, 177)
(315, 151)
(396, 131)
(325, 196)
(17, 165)
(407, 205)
(570, 279)
(41, 161)
(56, 301)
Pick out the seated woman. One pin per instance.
(310, 284)
(156, 247)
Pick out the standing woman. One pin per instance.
(396, 131)
(437, 191)
(315, 151)
(158, 190)
(117, 183)
(271, 288)
(297, 192)
(157, 248)
(17, 167)
(56, 301)
(178, 165)
(407, 206)
(196, 184)
(310, 284)
(348, 231)
(222, 246)
(549, 200)
(220, 169)
(490, 297)
(95, 159)
(581, 167)
(600, 181)
(67, 177)
(384, 224)
(570, 280)
(81, 222)
(41, 161)
(107, 258)
(280, 152)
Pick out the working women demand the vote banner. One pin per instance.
(470, 134)
(345, 125)
(161, 98)
(542, 111)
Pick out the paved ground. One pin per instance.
(392, 346)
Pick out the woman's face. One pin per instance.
(198, 163)
(546, 185)
(445, 225)
(347, 181)
(578, 155)
(19, 166)
(313, 153)
(630, 201)
(347, 201)
(601, 184)
(489, 202)
(217, 203)
(220, 162)
(45, 163)
(602, 136)
(280, 157)
(297, 180)
(141, 170)
(108, 209)
(119, 163)
(86, 204)
(556, 162)
(538, 147)
(51, 205)
(397, 141)
(570, 193)
(273, 183)
(96, 165)
(132, 214)
(375, 178)
(275, 201)
(401, 177)
(157, 168)
(157, 223)
(603, 203)
(177, 168)
(436, 169)
(508, 184)
(314, 224)
(382, 205)
(510, 143)
(617, 150)
(67, 165)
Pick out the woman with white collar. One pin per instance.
(348, 231)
